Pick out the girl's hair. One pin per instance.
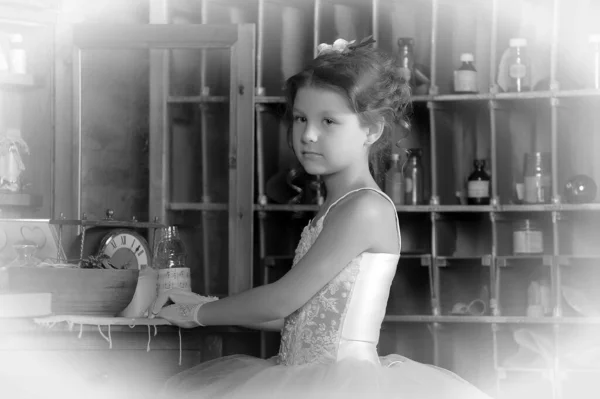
(370, 82)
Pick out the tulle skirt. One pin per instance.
(241, 376)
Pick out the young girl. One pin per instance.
(329, 307)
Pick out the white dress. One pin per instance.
(329, 346)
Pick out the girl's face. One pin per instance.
(327, 135)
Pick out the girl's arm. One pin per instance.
(275, 325)
(351, 228)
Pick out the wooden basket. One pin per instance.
(97, 292)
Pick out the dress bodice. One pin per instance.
(343, 319)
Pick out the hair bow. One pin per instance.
(343, 46)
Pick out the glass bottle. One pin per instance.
(413, 177)
(478, 185)
(537, 178)
(519, 66)
(394, 181)
(169, 252)
(465, 78)
(405, 59)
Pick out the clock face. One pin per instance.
(126, 249)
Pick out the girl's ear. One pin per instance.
(374, 133)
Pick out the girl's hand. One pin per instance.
(179, 307)
(176, 296)
(182, 315)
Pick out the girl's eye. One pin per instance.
(299, 118)
(329, 121)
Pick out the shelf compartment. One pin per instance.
(415, 230)
(578, 129)
(464, 286)
(521, 127)
(410, 18)
(525, 348)
(349, 20)
(532, 20)
(411, 288)
(197, 73)
(576, 70)
(199, 169)
(463, 131)
(506, 225)
(579, 289)
(514, 278)
(463, 27)
(468, 237)
(578, 234)
(285, 44)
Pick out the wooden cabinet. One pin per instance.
(461, 296)
(26, 103)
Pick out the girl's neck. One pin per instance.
(339, 184)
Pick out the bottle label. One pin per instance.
(528, 242)
(537, 189)
(517, 71)
(465, 81)
(478, 189)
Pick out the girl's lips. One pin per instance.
(310, 153)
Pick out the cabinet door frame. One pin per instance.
(159, 39)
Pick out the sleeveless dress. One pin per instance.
(329, 346)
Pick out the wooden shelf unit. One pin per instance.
(466, 246)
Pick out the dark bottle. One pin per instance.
(405, 60)
(413, 177)
(478, 185)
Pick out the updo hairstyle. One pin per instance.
(369, 80)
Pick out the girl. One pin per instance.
(329, 307)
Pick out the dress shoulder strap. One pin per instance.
(384, 195)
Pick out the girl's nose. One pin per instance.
(310, 134)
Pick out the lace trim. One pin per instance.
(312, 333)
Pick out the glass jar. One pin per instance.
(519, 66)
(537, 178)
(413, 177)
(527, 238)
(25, 255)
(169, 252)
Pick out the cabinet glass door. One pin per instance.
(163, 128)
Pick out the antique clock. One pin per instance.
(126, 249)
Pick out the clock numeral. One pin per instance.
(140, 252)
(123, 240)
(133, 243)
(113, 243)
